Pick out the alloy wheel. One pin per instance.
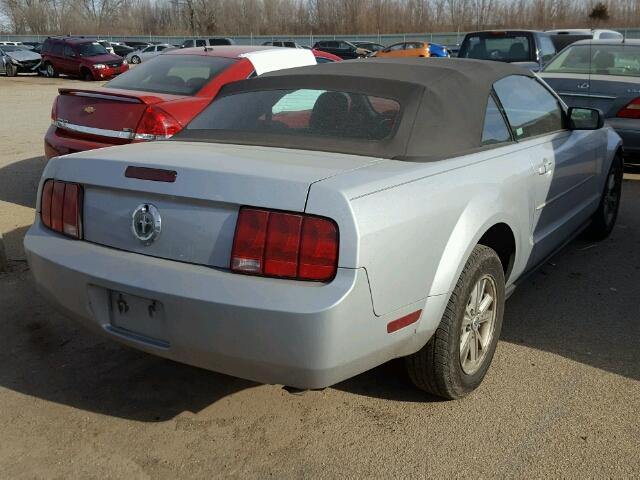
(478, 324)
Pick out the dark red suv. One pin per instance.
(80, 57)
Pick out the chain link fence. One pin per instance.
(446, 38)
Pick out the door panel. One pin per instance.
(565, 169)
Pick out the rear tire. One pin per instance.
(50, 71)
(604, 219)
(473, 315)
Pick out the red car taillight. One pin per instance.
(60, 207)
(54, 110)
(631, 110)
(287, 245)
(156, 124)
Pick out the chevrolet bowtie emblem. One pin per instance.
(89, 109)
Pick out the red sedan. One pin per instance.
(158, 98)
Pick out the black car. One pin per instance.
(121, 50)
(32, 45)
(137, 45)
(341, 48)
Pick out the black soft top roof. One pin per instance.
(443, 101)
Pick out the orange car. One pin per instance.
(413, 49)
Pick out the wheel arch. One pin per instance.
(501, 239)
(499, 231)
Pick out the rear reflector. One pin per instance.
(60, 207)
(153, 174)
(403, 321)
(285, 245)
(631, 110)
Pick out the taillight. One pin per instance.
(631, 110)
(156, 124)
(60, 207)
(54, 110)
(286, 245)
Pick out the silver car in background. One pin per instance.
(15, 59)
(139, 56)
(313, 223)
(602, 74)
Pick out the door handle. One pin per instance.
(545, 167)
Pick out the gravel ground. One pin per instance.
(562, 398)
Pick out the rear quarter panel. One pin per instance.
(413, 225)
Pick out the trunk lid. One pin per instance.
(611, 93)
(608, 93)
(199, 210)
(114, 113)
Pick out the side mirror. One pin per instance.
(585, 118)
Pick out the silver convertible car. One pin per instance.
(313, 223)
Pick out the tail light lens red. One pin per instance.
(54, 110)
(156, 124)
(286, 245)
(631, 110)
(60, 207)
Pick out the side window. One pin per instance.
(148, 49)
(46, 48)
(547, 49)
(609, 35)
(57, 49)
(161, 47)
(68, 51)
(531, 109)
(188, 43)
(495, 130)
(201, 43)
(396, 47)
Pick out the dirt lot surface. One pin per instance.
(562, 398)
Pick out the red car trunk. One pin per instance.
(105, 111)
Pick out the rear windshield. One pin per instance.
(598, 59)
(302, 112)
(498, 46)
(91, 49)
(173, 74)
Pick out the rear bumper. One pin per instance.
(300, 334)
(56, 144)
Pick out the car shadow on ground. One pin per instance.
(19, 181)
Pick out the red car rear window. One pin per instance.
(173, 74)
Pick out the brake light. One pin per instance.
(60, 207)
(156, 124)
(285, 245)
(54, 110)
(631, 110)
